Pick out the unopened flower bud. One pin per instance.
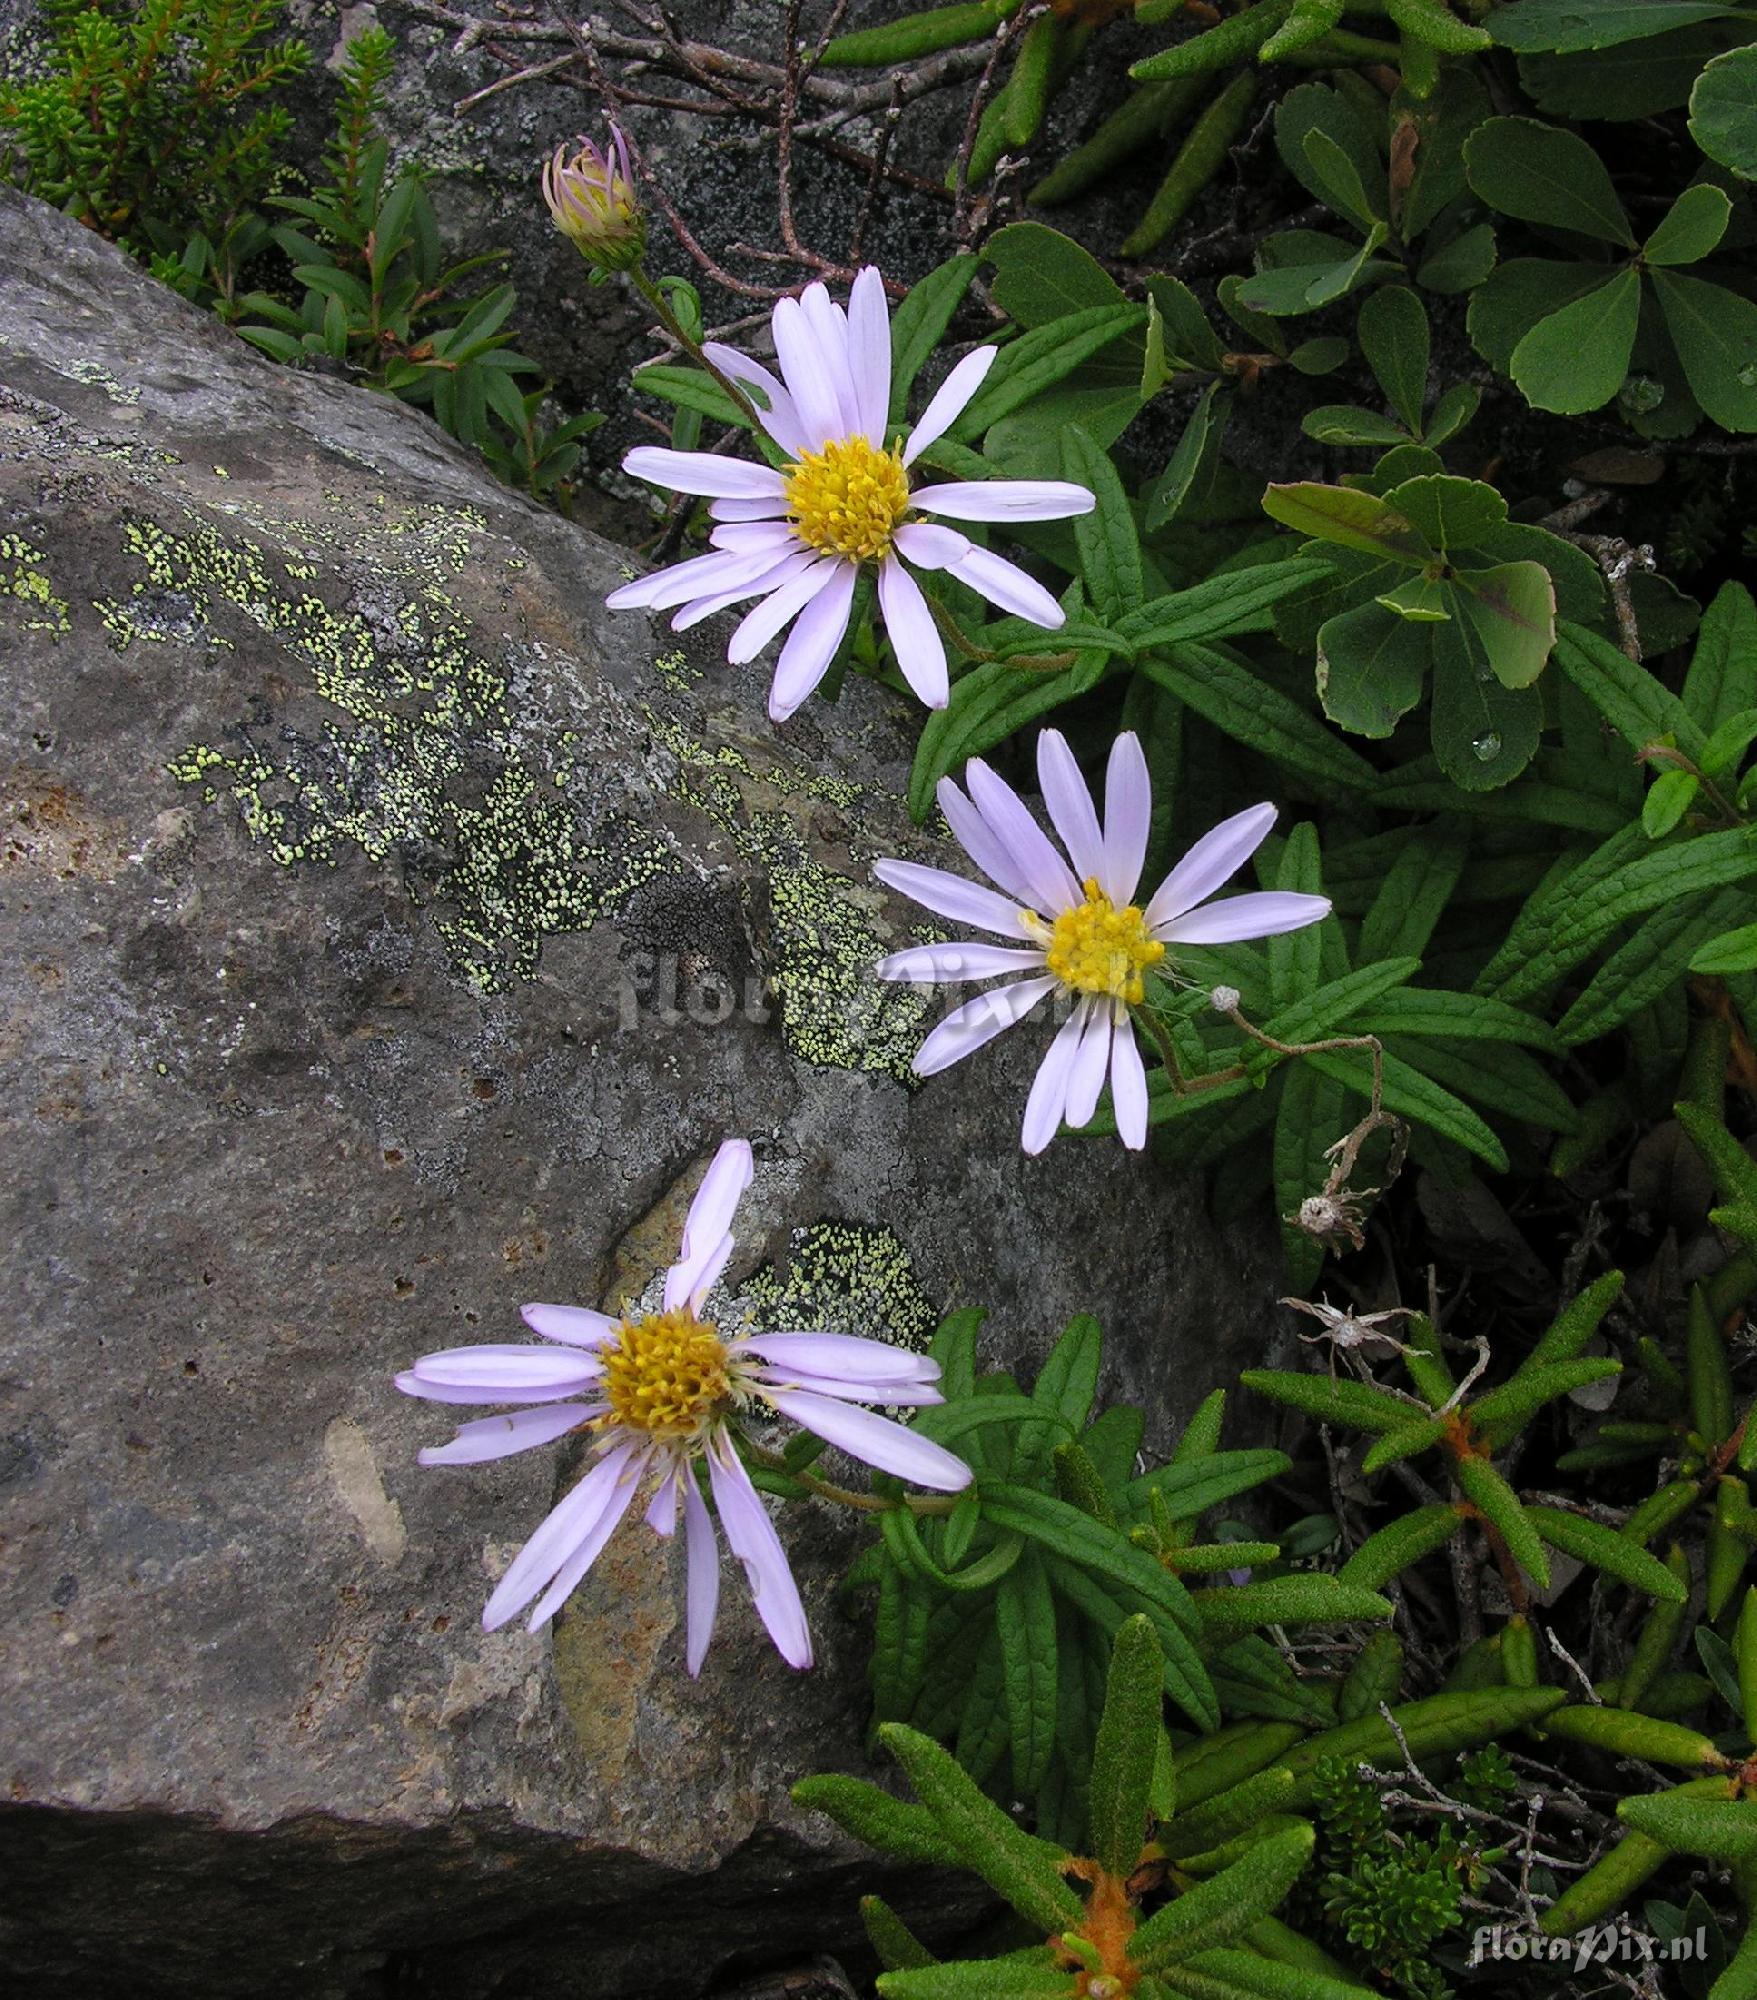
(592, 198)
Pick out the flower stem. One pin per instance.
(685, 339)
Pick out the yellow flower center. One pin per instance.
(665, 1375)
(1097, 948)
(847, 499)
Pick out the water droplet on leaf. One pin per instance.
(1748, 375)
(1486, 746)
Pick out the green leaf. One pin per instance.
(1346, 424)
(1392, 1449)
(1328, 147)
(1064, 1387)
(1401, 1542)
(1731, 953)
(1432, 22)
(980, 1979)
(1040, 275)
(1543, 174)
(1224, 1906)
(1592, 1542)
(1189, 1487)
(1416, 1096)
(1110, 550)
(1014, 1865)
(916, 35)
(1371, 665)
(987, 705)
(1461, 264)
(1338, 179)
(894, 1944)
(1393, 333)
(1567, 25)
(1485, 1489)
(919, 324)
(1458, 1016)
(1350, 518)
(1237, 37)
(1127, 1742)
(1691, 227)
(1724, 1830)
(1024, 1614)
(690, 389)
(1242, 706)
(1708, 1371)
(1513, 609)
(1230, 602)
(1576, 359)
(1723, 111)
(1449, 513)
(1453, 409)
(1041, 358)
(1648, 965)
(1516, 296)
(1668, 799)
(1715, 333)
(1332, 1400)
(1415, 891)
(1191, 465)
(1637, 705)
(1301, 1599)
(873, 1815)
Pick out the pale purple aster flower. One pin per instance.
(658, 1392)
(592, 198)
(796, 537)
(1077, 927)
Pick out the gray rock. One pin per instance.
(390, 934)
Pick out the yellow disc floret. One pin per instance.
(1097, 948)
(665, 1375)
(847, 499)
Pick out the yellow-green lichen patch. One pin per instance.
(843, 1277)
(24, 578)
(96, 376)
(418, 759)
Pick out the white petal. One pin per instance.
(1086, 1080)
(1263, 913)
(929, 964)
(830, 327)
(703, 472)
(899, 1395)
(929, 546)
(1128, 1084)
(572, 1572)
(780, 419)
(751, 1536)
(757, 586)
(812, 643)
(567, 1525)
(869, 353)
(980, 841)
(951, 896)
(844, 1354)
(517, 1371)
(760, 624)
(1007, 585)
(578, 1326)
(702, 1548)
(702, 576)
(1210, 864)
(756, 537)
(949, 401)
(500, 1437)
(1004, 500)
(1049, 1088)
(689, 1282)
(915, 639)
(875, 1440)
(967, 1028)
(766, 509)
(1128, 818)
(661, 1515)
(1051, 880)
(807, 374)
(723, 1187)
(1070, 804)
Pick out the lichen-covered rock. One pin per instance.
(390, 933)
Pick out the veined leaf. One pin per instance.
(1483, 1486)
(1592, 1542)
(1544, 174)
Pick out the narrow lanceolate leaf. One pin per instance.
(1078, 1482)
(1574, 1325)
(1619, 1732)
(1041, 358)
(1734, 1170)
(1592, 1542)
(1106, 1605)
(1708, 1372)
(894, 1827)
(1110, 550)
(1722, 1829)
(1405, 1443)
(1499, 1505)
(1609, 1884)
(1658, 1635)
(1305, 1599)
(1375, 1677)
(1332, 1400)
(1234, 601)
(894, 1944)
(1416, 1096)
(1219, 48)
(1745, 1658)
(1191, 1489)
(1243, 1975)
(1637, 705)
(1506, 1410)
(1127, 1742)
(1222, 1761)
(1013, 1863)
(1225, 1906)
(1024, 1614)
(1033, 1978)
(1229, 1813)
